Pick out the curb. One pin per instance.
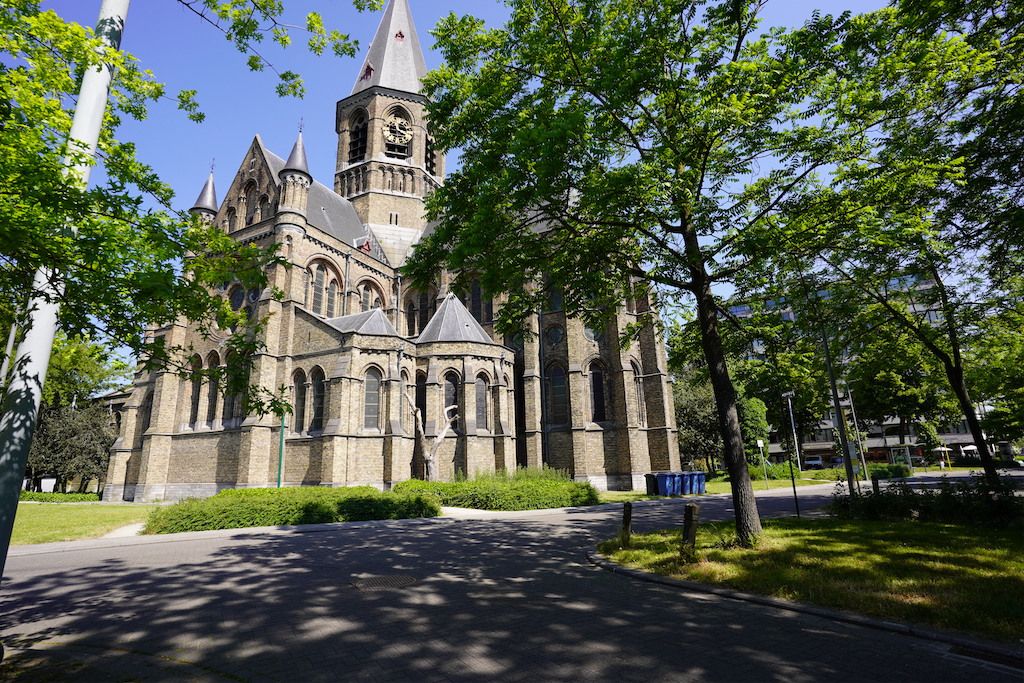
(988, 651)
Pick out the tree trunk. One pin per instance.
(959, 386)
(748, 523)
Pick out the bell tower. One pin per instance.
(387, 163)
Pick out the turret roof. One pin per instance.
(453, 323)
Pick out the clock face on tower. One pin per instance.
(397, 130)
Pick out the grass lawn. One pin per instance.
(961, 578)
(50, 522)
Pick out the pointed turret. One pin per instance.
(295, 180)
(297, 159)
(206, 203)
(395, 59)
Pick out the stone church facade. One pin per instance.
(358, 348)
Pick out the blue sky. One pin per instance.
(184, 53)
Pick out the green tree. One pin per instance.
(663, 140)
(925, 223)
(71, 443)
(79, 370)
(896, 377)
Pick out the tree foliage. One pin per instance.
(71, 443)
(123, 261)
(676, 137)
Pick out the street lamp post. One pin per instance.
(796, 450)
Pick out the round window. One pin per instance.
(555, 334)
(591, 334)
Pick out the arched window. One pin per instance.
(476, 300)
(319, 386)
(481, 402)
(371, 399)
(410, 319)
(252, 203)
(638, 389)
(264, 208)
(197, 388)
(370, 297)
(426, 309)
(451, 397)
(298, 401)
(558, 395)
(397, 134)
(421, 396)
(234, 401)
(319, 278)
(232, 218)
(332, 299)
(357, 137)
(598, 410)
(146, 412)
(212, 362)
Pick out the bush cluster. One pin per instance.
(240, 508)
(883, 471)
(975, 501)
(35, 497)
(522, 490)
(775, 471)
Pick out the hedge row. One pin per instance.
(36, 497)
(496, 493)
(240, 508)
(974, 501)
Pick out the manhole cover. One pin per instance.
(383, 583)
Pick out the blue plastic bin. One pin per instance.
(702, 483)
(687, 483)
(665, 483)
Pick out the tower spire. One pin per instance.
(206, 203)
(395, 59)
(297, 159)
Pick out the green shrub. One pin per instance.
(240, 508)
(775, 471)
(521, 490)
(35, 497)
(830, 474)
(883, 471)
(975, 501)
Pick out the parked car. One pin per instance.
(814, 462)
(837, 462)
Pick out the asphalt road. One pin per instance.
(508, 597)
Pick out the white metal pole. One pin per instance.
(24, 393)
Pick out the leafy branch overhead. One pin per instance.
(248, 23)
(127, 268)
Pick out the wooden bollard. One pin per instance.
(875, 488)
(691, 518)
(627, 525)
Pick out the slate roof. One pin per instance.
(326, 210)
(207, 200)
(297, 159)
(372, 322)
(395, 59)
(453, 323)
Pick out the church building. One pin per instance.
(359, 349)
